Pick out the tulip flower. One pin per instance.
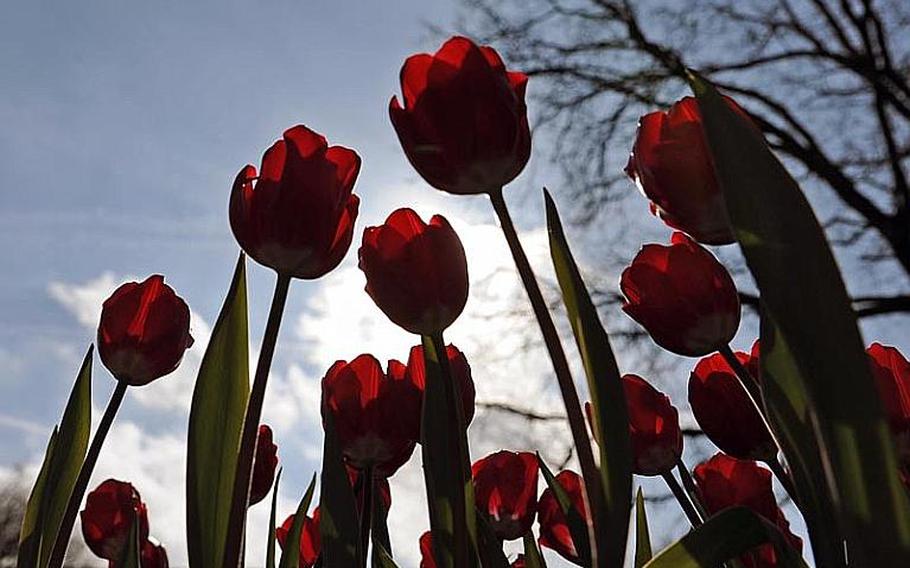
(376, 415)
(464, 123)
(426, 551)
(891, 372)
(152, 556)
(682, 296)
(264, 464)
(653, 427)
(144, 331)
(505, 488)
(296, 215)
(725, 482)
(671, 164)
(725, 412)
(554, 528)
(310, 540)
(108, 517)
(519, 561)
(416, 272)
(459, 368)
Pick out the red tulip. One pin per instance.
(152, 556)
(416, 272)
(683, 296)
(458, 366)
(264, 464)
(891, 372)
(144, 330)
(554, 529)
(297, 215)
(505, 488)
(464, 124)
(725, 482)
(310, 541)
(376, 416)
(671, 164)
(426, 551)
(724, 410)
(653, 427)
(108, 517)
(519, 561)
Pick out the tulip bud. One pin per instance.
(505, 489)
(461, 374)
(427, 560)
(725, 482)
(153, 555)
(554, 528)
(682, 296)
(144, 330)
(296, 216)
(416, 272)
(108, 517)
(671, 164)
(653, 427)
(310, 540)
(264, 464)
(464, 123)
(376, 416)
(725, 412)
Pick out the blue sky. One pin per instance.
(123, 127)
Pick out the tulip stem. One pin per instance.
(690, 487)
(594, 495)
(688, 508)
(366, 512)
(85, 474)
(241, 496)
(784, 477)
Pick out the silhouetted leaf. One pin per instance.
(338, 523)
(290, 555)
(642, 534)
(578, 529)
(270, 540)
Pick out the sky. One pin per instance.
(123, 128)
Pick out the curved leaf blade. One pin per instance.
(533, 557)
(32, 521)
(578, 529)
(270, 539)
(338, 523)
(290, 556)
(216, 419)
(642, 534)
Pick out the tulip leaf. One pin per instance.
(216, 419)
(338, 524)
(270, 540)
(723, 537)
(642, 533)
(802, 289)
(488, 545)
(578, 528)
(131, 555)
(379, 527)
(608, 401)
(448, 484)
(533, 557)
(32, 521)
(790, 415)
(381, 556)
(290, 555)
(69, 453)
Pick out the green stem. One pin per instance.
(235, 535)
(366, 512)
(85, 474)
(691, 489)
(683, 499)
(786, 480)
(594, 494)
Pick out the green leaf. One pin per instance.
(70, 447)
(578, 529)
(338, 523)
(450, 491)
(608, 401)
(379, 527)
(725, 536)
(533, 557)
(802, 290)
(131, 557)
(642, 533)
(290, 555)
(488, 544)
(216, 419)
(381, 557)
(270, 540)
(790, 414)
(32, 521)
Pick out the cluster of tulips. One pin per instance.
(463, 125)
